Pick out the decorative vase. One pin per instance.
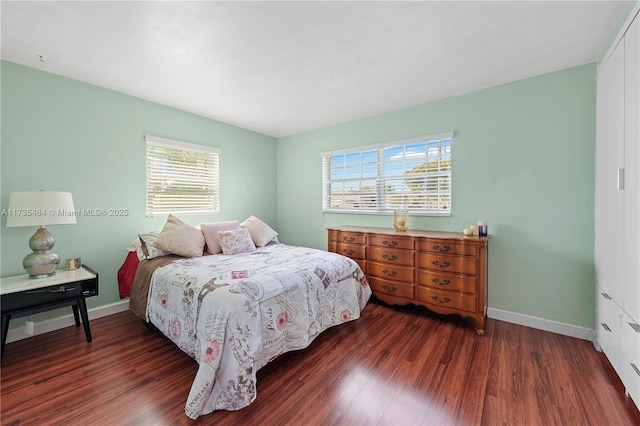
(401, 219)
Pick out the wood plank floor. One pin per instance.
(393, 366)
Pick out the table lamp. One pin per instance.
(40, 208)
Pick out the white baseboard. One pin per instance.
(565, 329)
(66, 321)
(570, 330)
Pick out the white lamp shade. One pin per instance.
(39, 208)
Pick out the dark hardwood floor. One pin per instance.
(393, 366)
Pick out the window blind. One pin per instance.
(181, 178)
(413, 173)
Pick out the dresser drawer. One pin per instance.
(445, 263)
(48, 295)
(391, 241)
(436, 280)
(446, 299)
(333, 235)
(391, 288)
(352, 251)
(352, 237)
(391, 272)
(608, 330)
(630, 342)
(446, 247)
(389, 255)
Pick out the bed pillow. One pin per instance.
(261, 233)
(236, 241)
(210, 231)
(135, 246)
(180, 238)
(147, 248)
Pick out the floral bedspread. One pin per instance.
(234, 314)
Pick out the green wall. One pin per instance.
(63, 135)
(523, 160)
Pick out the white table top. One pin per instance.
(20, 283)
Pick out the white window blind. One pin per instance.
(413, 173)
(181, 178)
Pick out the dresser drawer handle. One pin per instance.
(441, 265)
(387, 257)
(348, 251)
(437, 248)
(390, 244)
(605, 326)
(636, 327)
(635, 369)
(391, 289)
(437, 281)
(606, 296)
(349, 239)
(439, 300)
(389, 273)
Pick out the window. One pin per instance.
(181, 178)
(413, 173)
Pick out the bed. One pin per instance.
(235, 313)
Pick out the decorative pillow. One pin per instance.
(261, 233)
(236, 241)
(210, 231)
(144, 248)
(136, 247)
(180, 238)
(147, 248)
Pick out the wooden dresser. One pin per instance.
(445, 272)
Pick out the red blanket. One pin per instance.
(127, 273)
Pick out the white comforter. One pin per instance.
(234, 314)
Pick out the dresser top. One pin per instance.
(409, 233)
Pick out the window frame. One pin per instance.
(194, 176)
(373, 205)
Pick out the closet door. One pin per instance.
(609, 199)
(617, 209)
(631, 247)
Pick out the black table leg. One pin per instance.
(5, 330)
(82, 305)
(76, 315)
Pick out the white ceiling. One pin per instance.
(281, 68)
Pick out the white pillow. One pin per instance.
(180, 238)
(136, 246)
(261, 233)
(236, 241)
(210, 231)
(147, 248)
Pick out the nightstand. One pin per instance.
(22, 296)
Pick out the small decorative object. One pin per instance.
(474, 229)
(40, 208)
(401, 219)
(73, 264)
(483, 229)
(467, 232)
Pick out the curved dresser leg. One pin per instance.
(480, 325)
